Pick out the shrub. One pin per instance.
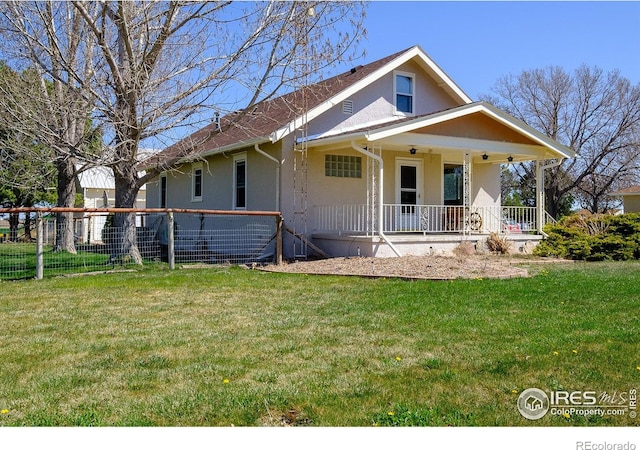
(578, 249)
(498, 244)
(593, 238)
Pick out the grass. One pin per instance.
(18, 261)
(217, 347)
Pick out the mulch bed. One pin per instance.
(412, 267)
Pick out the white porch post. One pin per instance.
(540, 209)
(380, 187)
(466, 189)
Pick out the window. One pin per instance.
(343, 166)
(403, 87)
(453, 184)
(196, 182)
(163, 191)
(240, 181)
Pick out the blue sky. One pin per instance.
(476, 43)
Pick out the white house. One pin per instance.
(630, 198)
(389, 158)
(97, 187)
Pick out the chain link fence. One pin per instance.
(34, 245)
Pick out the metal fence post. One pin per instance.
(39, 247)
(278, 240)
(170, 240)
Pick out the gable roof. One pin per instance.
(272, 120)
(406, 125)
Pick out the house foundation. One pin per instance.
(415, 244)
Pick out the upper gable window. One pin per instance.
(404, 87)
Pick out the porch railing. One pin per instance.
(426, 219)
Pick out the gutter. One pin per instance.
(380, 193)
(278, 164)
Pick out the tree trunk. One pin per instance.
(66, 198)
(126, 193)
(14, 223)
(27, 227)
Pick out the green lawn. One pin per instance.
(230, 346)
(18, 261)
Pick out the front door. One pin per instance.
(408, 193)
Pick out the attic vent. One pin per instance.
(347, 107)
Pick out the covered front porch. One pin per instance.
(348, 230)
(427, 219)
(425, 180)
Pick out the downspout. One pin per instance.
(278, 164)
(541, 167)
(359, 149)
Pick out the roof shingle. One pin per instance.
(266, 117)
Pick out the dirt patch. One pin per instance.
(412, 267)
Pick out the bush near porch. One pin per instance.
(599, 237)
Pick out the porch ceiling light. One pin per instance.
(412, 150)
(485, 157)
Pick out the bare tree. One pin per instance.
(48, 104)
(159, 66)
(594, 113)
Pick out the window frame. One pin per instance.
(343, 166)
(412, 95)
(457, 170)
(162, 191)
(239, 158)
(195, 168)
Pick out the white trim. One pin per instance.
(412, 78)
(239, 157)
(410, 215)
(419, 165)
(337, 132)
(196, 166)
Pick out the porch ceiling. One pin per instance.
(496, 151)
(450, 147)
